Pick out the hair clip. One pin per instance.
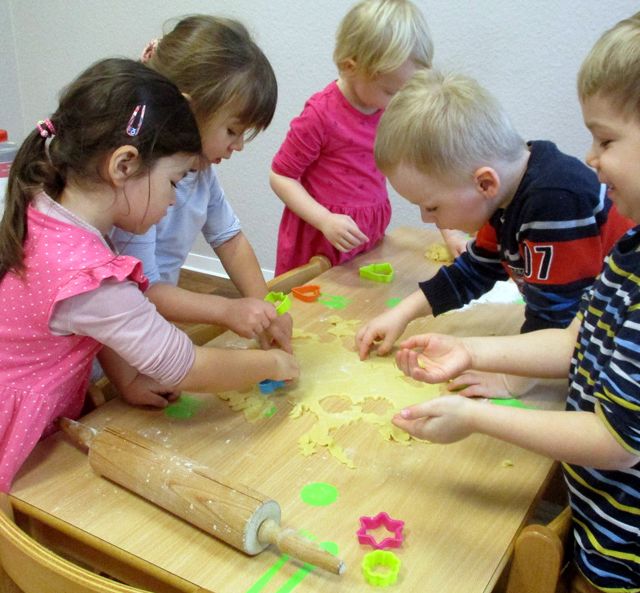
(135, 122)
(148, 51)
(46, 128)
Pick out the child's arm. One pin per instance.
(339, 229)
(435, 358)
(135, 389)
(579, 438)
(219, 369)
(247, 317)
(240, 262)
(388, 327)
(119, 316)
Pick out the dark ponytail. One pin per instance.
(91, 121)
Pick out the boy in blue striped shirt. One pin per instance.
(597, 438)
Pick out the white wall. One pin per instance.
(526, 53)
(10, 105)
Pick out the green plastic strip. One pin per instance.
(512, 402)
(296, 578)
(263, 581)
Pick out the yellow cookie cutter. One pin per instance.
(382, 272)
(380, 568)
(280, 301)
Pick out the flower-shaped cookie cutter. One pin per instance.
(380, 520)
(307, 293)
(380, 568)
(382, 272)
(280, 301)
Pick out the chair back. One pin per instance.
(28, 566)
(539, 557)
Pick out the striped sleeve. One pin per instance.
(472, 274)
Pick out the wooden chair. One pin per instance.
(29, 567)
(201, 333)
(539, 557)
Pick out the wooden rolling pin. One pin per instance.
(234, 513)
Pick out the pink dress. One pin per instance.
(44, 376)
(329, 149)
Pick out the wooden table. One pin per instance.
(462, 504)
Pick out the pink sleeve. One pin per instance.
(118, 315)
(302, 145)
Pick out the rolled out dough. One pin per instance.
(329, 369)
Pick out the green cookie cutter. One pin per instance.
(382, 272)
(280, 301)
(380, 568)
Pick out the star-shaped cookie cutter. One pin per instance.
(380, 520)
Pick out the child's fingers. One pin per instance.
(172, 395)
(418, 341)
(364, 340)
(385, 346)
(281, 337)
(263, 341)
(476, 390)
(149, 399)
(359, 236)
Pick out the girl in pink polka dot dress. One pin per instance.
(335, 198)
(121, 138)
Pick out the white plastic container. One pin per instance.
(8, 152)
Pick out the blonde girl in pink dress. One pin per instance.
(111, 154)
(335, 198)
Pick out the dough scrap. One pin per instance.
(438, 252)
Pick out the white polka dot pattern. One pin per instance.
(44, 376)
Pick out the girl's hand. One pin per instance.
(144, 391)
(278, 334)
(249, 317)
(443, 420)
(385, 329)
(433, 358)
(342, 232)
(285, 366)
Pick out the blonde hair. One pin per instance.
(445, 125)
(215, 62)
(380, 35)
(612, 67)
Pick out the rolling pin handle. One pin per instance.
(289, 542)
(79, 433)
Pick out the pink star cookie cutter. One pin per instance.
(380, 520)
